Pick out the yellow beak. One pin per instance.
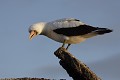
(33, 33)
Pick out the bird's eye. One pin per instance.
(29, 31)
(36, 32)
(32, 30)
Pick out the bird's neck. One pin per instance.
(43, 29)
(46, 29)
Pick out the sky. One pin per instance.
(20, 57)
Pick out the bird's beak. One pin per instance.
(33, 33)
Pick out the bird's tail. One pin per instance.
(101, 31)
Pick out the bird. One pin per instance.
(66, 30)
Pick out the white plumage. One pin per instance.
(67, 30)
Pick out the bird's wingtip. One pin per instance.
(109, 30)
(104, 30)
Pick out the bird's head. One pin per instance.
(36, 29)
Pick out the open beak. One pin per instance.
(33, 33)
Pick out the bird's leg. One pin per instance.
(68, 46)
(64, 43)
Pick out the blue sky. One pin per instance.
(20, 57)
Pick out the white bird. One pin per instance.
(67, 30)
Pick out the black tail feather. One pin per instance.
(101, 31)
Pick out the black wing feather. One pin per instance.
(75, 31)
